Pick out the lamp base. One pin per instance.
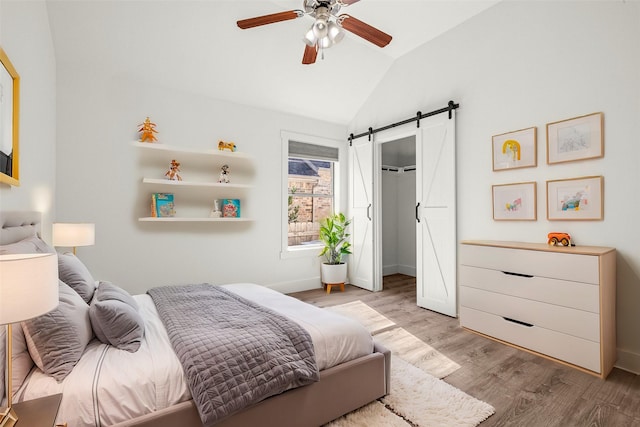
(8, 417)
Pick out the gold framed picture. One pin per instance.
(9, 121)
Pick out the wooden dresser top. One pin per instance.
(579, 250)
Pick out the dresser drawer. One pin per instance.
(581, 296)
(577, 268)
(561, 346)
(578, 323)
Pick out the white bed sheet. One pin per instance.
(108, 385)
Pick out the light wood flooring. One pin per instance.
(525, 389)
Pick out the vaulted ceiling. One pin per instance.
(197, 47)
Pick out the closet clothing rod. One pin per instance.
(450, 107)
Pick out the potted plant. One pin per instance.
(333, 234)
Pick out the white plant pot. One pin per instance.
(334, 273)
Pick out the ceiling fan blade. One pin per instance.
(347, 2)
(364, 30)
(310, 54)
(268, 19)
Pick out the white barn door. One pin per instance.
(436, 213)
(360, 265)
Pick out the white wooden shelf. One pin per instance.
(160, 148)
(200, 187)
(167, 182)
(187, 219)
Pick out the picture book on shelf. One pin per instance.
(162, 205)
(230, 208)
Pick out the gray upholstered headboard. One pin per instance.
(18, 225)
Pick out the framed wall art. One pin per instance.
(575, 199)
(575, 139)
(9, 121)
(517, 149)
(514, 202)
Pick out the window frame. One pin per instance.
(310, 250)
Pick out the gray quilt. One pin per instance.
(234, 352)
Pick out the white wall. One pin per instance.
(526, 63)
(26, 38)
(98, 181)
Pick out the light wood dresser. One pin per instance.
(559, 302)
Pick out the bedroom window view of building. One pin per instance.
(310, 191)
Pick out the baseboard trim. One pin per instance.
(389, 269)
(628, 361)
(407, 269)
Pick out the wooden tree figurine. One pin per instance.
(148, 129)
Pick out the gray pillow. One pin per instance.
(30, 245)
(74, 273)
(115, 318)
(56, 340)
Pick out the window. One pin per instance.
(311, 183)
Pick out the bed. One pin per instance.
(148, 387)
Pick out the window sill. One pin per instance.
(301, 252)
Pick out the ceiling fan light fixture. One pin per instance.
(325, 42)
(335, 32)
(320, 28)
(310, 38)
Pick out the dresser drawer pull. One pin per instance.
(519, 322)
(517, 274)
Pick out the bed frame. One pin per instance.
(341, 389)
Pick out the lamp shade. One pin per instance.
(28, 286)
(74, 234)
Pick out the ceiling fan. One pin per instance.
(328, 28)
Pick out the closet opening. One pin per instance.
(398, 205)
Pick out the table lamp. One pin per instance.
(74, 234)
(28, 288)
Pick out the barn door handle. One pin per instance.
(417, 216)
(368, 216)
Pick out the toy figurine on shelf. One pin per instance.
(226, 145)
(216, 212)
(556, 238)
(148, 129)
(224, 174)
(174, 171)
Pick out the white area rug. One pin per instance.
(372, 415)
(417, 397)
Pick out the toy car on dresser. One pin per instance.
(556, 237)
